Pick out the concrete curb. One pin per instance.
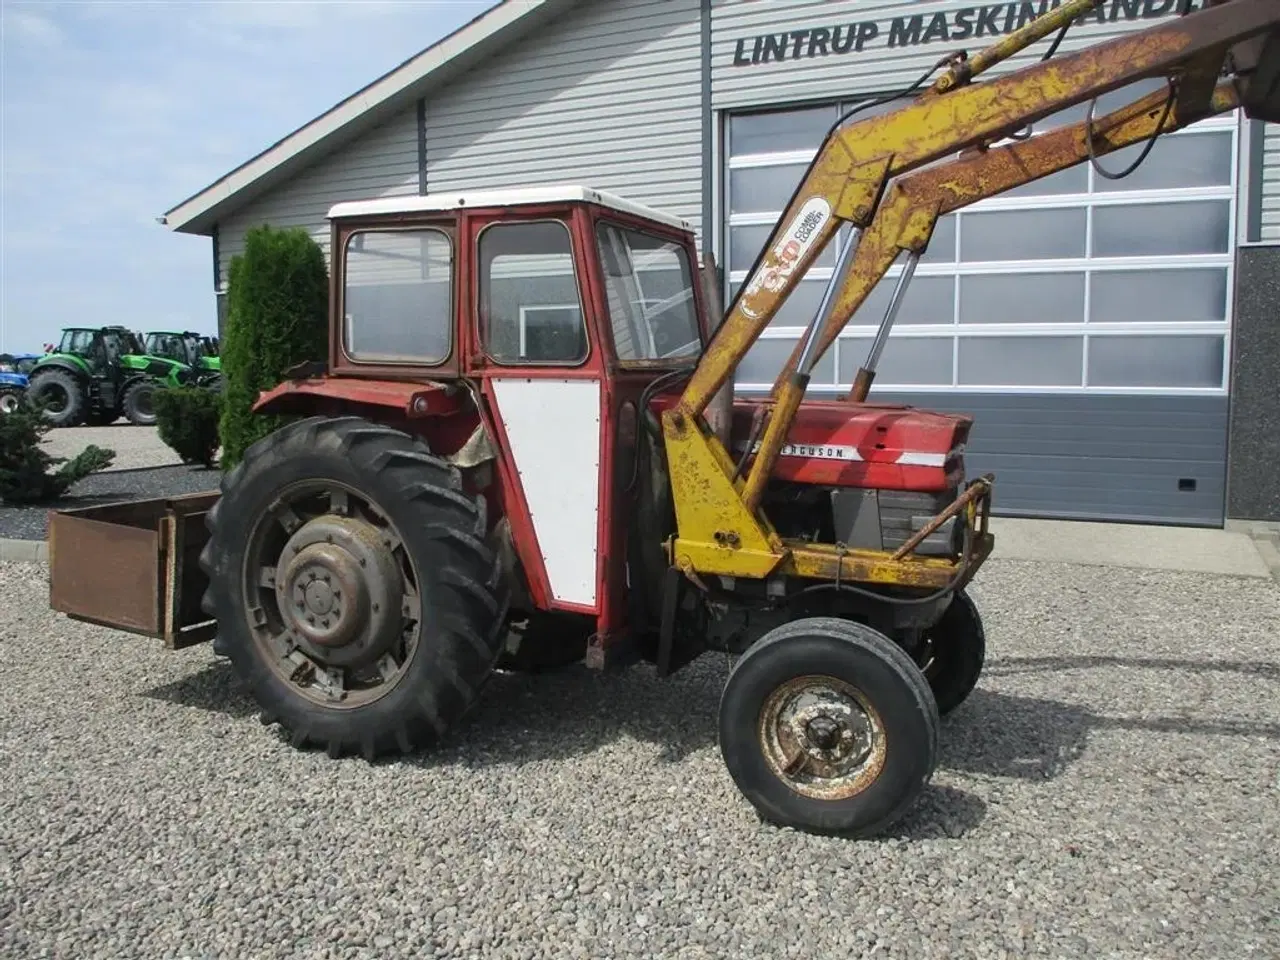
(1265, 535)
(24, 551)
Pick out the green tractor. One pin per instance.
(96, 374)
(193, 349)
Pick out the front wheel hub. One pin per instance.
(822, 737)
(340, 591)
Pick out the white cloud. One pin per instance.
(19, 25)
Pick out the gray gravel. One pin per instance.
(135, 447)
(1111, 790)
(31, 521)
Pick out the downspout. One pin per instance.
(719, 412)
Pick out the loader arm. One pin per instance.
(854, 179)
(914, 204)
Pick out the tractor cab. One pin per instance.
(186, 347)
(567, 279)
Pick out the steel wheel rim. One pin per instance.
(821, 737)
(281, 595)
(8, 403)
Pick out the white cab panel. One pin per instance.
(553, 427)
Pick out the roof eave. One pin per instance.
(431, 68)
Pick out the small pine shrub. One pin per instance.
(277, 317)
(187, 421)
(27, 473)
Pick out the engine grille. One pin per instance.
(886, 519)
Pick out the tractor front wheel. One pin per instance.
(139, 403)
(828, 726)
(10, 399)
(62, 395)
(955, 650)
(355, 594)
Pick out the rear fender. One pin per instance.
(377, 399)
(72, 366)
(445, 414)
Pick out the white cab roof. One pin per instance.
(503, 198)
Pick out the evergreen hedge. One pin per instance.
(27, 473)
(277, 317)
(187, 421)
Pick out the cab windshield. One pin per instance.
(652, 309)
(77, 342)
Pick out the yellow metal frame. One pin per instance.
(863, 175)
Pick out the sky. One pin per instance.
(113, 111)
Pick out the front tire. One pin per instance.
(955, 652)
(413, 633)
(827, 726)
(10, 400)
(139, 403)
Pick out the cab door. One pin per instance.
(543, 385)
(649, 305)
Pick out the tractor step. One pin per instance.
(134, 566)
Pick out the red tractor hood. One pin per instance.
(881, 446)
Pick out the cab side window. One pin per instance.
(530, 308)
(398, 296)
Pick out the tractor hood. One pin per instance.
(840, 444)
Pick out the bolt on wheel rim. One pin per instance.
(822, 738)
(331, 595)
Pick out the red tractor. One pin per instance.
(522, 451)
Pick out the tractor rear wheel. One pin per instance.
(355, 594)
(828, 726)
(139, 403)
(954, 652)
(63, 395)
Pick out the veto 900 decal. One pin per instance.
(799, 237)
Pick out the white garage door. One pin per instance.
(1068, 304)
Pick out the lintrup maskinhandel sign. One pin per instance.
(965, 23)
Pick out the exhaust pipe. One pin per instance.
(719, 411)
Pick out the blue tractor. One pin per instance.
(14, 371)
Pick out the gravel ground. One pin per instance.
(1111, 790)
(135, 447)
(32, 522)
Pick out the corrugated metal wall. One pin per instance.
(608, 96)
(1270, 219)
(381, 163)
(1137, 459)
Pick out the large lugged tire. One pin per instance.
(828, 726)
(955, 652)
(64, 394)
(342, 545)
(139, 405)
(10, 399)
